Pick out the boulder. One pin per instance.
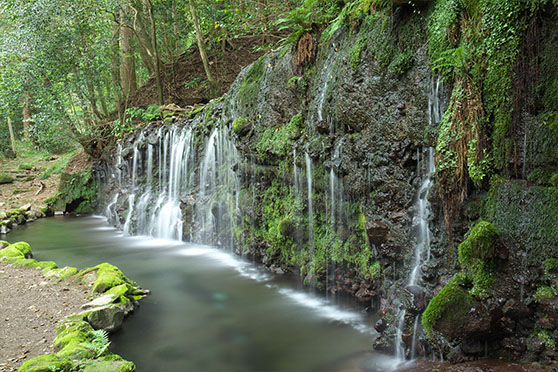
(107, 317)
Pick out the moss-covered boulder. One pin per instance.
(111, 363)
(24, 248)
(11, 252)
(476, 255)
(5, 178)
(481, 244)
(450, 306)
(47, 363)
(3, 244)
(106, 277)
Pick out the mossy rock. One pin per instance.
(287, 227)
(11, 252)
(108, 276)
(241, 126)
(75, 332)
(47, 363)
(23, 247)
(109, 364)
(26, 166)
(60, 273)
(452, 302)
(25, 262)
(47, 265)
(480, 244)
(4, 178)
(4, 244)
(15, 212)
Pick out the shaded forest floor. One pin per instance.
(184, 81)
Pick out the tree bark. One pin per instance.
(115, 64)
(201, 47)
(128, 64)
(12, 139)
(26, 112)
(156, 53)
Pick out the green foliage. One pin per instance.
(401, 64)
(452, 301)
(75, 188)
(546, 291)
(546, 337)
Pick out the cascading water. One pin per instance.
(218, 201)
(310, 206)
(426, 170)
(155, 209)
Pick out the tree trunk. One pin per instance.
(128, 64)
(12, 139)
(115, 64)
(156, 53)
(175, 28)
(26, 112)
(201, 47)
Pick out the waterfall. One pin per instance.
(422, 213)
(310, 207)
(323, 86)
(422, 235)
(218, 205)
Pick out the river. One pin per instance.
(211, 310)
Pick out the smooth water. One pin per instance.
(210, 310)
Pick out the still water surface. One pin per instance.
(210, 310)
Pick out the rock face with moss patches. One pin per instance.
(314, 169)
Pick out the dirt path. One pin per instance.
(30, 307)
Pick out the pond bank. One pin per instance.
(59, 317)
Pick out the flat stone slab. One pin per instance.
(100, 301)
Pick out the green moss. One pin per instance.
(26, 166)
(11, 252)
(401, 64)
(23, 247)
(60, 273)
(526, 214)
(278, 140)
(250, 86)
(479, 245)
(544, 292)
(3, 244)
(47, 363)
(5, 178)
(452, 301)
(546, 337)
(76, 192)
(356, 51)
(241, 126)
(24, 262)
(108, 276)
(47, 265)
(374, 271)
(108, 365)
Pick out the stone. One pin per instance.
(108, 365)
(377, 232)
(100, 301)
(107, 317)
(46, 363)
(380, 325)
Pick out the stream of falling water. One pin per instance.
(426, 170)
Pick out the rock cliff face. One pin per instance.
(325, 169)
